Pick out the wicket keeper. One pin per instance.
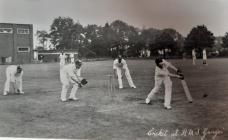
(70, 75)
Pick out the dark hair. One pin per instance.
(78, 62)
(158, 60)
(19, 69)
(119, 58)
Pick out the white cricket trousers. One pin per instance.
(168, 89)
(128, 76)
(66, 83)
(62, 63)
(17, 82)
(194, 60)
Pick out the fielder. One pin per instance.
(13, 74)
(193, 57)
(204, 57)
(72, 58)
(71, 75)
(162, 75)
(119, 67)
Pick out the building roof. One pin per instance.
(75, 51)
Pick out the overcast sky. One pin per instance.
(181, 15)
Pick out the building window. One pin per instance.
(6, 30)
(22, 31)
(23, 49)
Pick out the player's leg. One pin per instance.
(194, 61)
(157, 85)
(62, 63)
(73, 92)
(168, 92)
(64, 92)
(20, 86)
(129, 79)
(7, 83)
(65, 86)
(119, 77)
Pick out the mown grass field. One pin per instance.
(39, 113)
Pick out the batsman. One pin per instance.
(70, 75)
(162, 75)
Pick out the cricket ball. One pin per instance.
(205, 95)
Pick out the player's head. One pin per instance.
(158, 62)
(62, 52)
(78, 64)
(19, 69)
(120, 58)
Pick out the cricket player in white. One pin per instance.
(70, 75)
(62, 58)
(193, 57)
(204, 57)
(72, 58)
(119, 67)
(162, 75)
(13, 74)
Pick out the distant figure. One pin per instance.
(148, 53)
(120, 67)
(72, 58)
(62, 58)
(193, 57)
(13, 74)
(204, 57)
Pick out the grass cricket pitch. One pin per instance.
(39, 113)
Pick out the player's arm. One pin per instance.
(74, 77)
(178, 71)
(165, 73)
(170, 65)
(175, 75)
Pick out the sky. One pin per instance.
(181, 15)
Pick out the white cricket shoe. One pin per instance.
(168, 107)
(147, 100)
(20, 92)
(63, 100)
(74, 98)
(133, 86)
(5, 93)
(120, 87)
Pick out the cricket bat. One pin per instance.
(186, 90)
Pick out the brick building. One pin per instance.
(16, 43)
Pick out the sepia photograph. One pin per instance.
(113, 70)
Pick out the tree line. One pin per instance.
(119, 37)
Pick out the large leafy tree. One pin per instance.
(179, 41)
(61, 31)
(199, 38)
(120, 35)
(42, 37)
(225, 40)
(164, 42)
